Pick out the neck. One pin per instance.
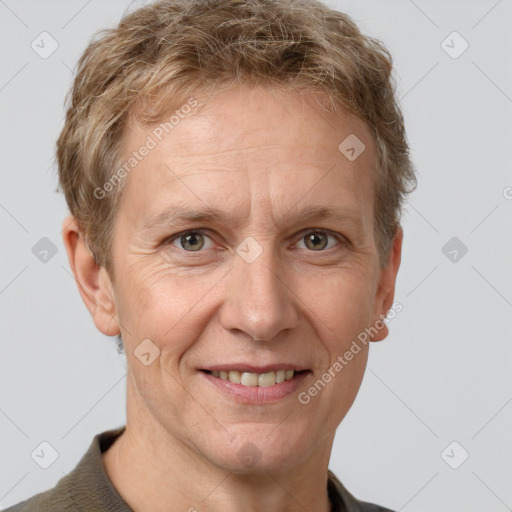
(153, 471)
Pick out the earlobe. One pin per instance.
(386, 288)
(92, 280)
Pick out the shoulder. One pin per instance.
(371, 507)
(43, 502)
(344, 501)
(86, 487)
(355, 505)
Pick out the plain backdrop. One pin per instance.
(438, 389)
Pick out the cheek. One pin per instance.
(168, 308)
(341, 306)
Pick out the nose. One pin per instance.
(259, 298)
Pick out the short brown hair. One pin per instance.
(160, 54)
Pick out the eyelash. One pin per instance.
(342, 241)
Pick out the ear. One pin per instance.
(93, 282)
(386, 287)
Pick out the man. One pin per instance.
(235, 172)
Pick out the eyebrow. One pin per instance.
(180, 214)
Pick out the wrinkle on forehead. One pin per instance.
(241, 151)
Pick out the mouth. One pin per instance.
(256, 388)
(254, 379)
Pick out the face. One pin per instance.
(245, 241)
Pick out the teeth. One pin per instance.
(249, 379)
(235, 377)
(266, 379)
(255, 379)
(280, 376)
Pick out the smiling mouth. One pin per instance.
(256, 379)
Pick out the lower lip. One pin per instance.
(257, 394)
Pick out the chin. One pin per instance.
(254, 450)
(251, 461)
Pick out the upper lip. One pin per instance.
(250, 368)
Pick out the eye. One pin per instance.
(195, 240)
(191, 241)
(318, 240)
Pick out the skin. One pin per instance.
(262, 157)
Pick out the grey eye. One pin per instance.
(316, 240)
(192, 241)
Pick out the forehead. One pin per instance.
(250, 144)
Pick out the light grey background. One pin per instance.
(443, 374)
